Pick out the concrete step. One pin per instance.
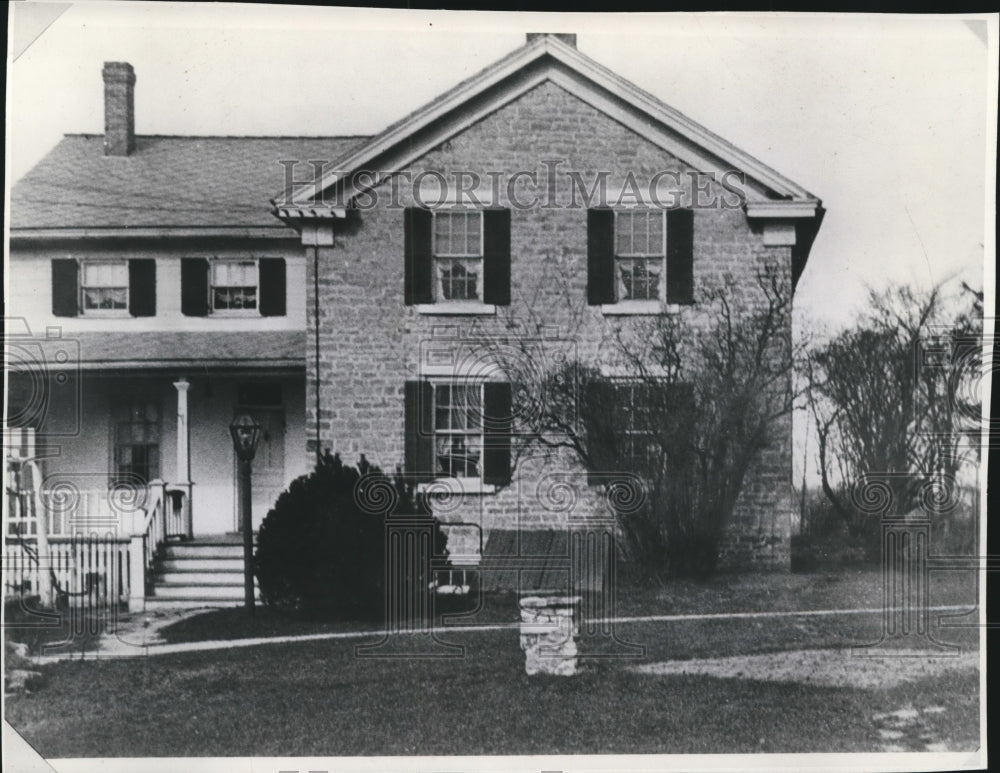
(192, 564)
(203, 550)
(199, 591)
(218, 577)
(191, 602)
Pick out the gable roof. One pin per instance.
(544, 58)
(167, 182)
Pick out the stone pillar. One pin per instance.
(184, 452)
(549, 630)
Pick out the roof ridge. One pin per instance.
(90, 135)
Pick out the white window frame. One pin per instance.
(478, 432)
(212, 264)
(443, 305)
(84, 287)
(628, 306)
(632, 432)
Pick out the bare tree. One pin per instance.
(686, 402)
(886, 398)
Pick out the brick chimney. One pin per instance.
(568, 38)
(119, 109)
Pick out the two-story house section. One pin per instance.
(544, 188)
(158, 286)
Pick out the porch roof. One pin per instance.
(163, 350)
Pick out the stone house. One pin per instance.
(340, 288)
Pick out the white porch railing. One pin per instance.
(89, 547)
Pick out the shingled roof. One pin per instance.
(165, 182)
(118, 349)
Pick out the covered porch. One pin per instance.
(108, 465)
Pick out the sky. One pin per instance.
(889, 120)
(884, 118)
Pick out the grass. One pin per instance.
(720, 595)
(319, 698)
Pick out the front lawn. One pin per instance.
(724, 594)
(319, 698)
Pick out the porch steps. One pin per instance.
(205, 572)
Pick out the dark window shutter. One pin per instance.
(496, 256)
(272, 287)
(680, 256)
(600, 256)
(142, 287)
(497, 422)
(600, 416)
(194, 287)
(65, 288)
(419, 429)
(417, 224)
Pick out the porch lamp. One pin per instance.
(246, 434)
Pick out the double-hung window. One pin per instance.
(640, 260)
(458, 430)
(456, 260)
(638, 403)
(104, 286)
(137, 440)
(640, 250)
(245, 287)
(458, 255)
(234, 285)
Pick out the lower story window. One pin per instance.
(137, 442)
(458, 430)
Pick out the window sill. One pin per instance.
(234, 313)
(457, 307)
(106, 314)
(636, 308)
(457, 486)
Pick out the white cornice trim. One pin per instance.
(783, 209)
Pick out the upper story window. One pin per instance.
(234, 285)
(458, 255)
(104, 287)
(456, 260)
(640, 249)
(640, 261)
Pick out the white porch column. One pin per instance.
(184, 452)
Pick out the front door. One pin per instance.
(269, 463)
(263, 402)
